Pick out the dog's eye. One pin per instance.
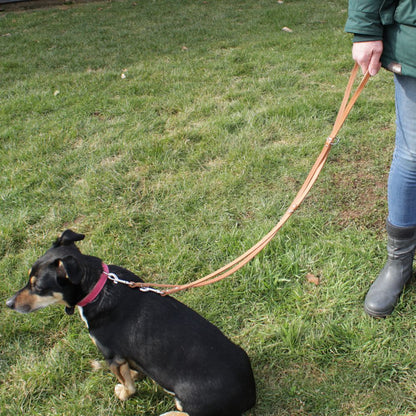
(40, 290)
(37, 286)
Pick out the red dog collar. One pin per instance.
(96, 289)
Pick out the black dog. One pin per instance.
(143, 331)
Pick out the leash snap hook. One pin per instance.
(151, 289)
(115, 279)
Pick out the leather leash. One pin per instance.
(227, 270)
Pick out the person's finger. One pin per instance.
(374, 65)
(361, 56)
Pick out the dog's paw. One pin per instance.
(122, 392)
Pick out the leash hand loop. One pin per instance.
(227, 270)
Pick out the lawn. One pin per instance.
(175, 134)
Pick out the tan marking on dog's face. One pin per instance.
(26, 301)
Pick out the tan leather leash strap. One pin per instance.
(238, 263)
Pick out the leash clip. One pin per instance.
(151, 289)
(115, 279)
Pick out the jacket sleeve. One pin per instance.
(364, 19)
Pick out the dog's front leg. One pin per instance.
(121, 369)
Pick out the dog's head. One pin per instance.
(55, 278)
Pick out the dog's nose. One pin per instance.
(10, 302)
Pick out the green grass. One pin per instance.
(180, 167)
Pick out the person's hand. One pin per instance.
(367, 55)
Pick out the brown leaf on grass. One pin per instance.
(311, 278)
(287, 29)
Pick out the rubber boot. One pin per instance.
(385, 292)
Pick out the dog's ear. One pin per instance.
(69, 268)
(67, 238)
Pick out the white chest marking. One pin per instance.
(80, 310)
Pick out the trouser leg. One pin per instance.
(402, 177)
(401, 225)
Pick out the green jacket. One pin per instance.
(394, 22)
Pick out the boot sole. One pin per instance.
(377, 314)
